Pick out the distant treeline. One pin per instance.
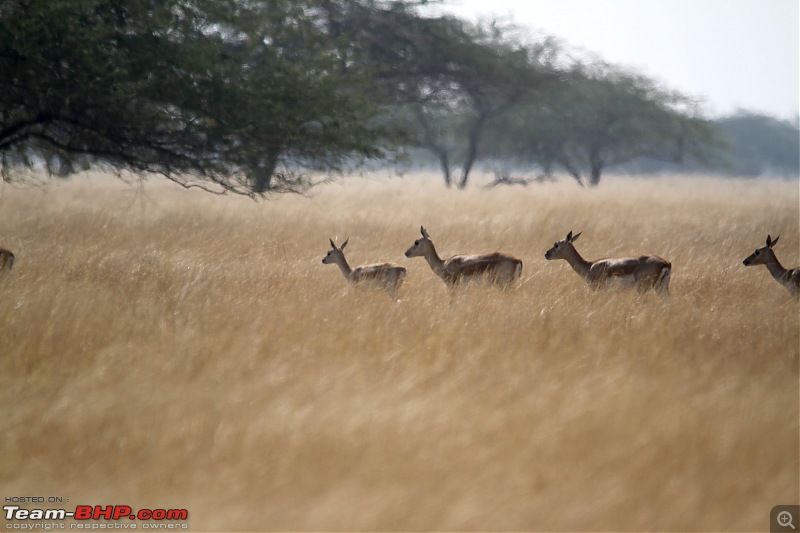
(256, 97)
(759, 145)
(752, 145)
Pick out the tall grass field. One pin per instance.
(164, 348)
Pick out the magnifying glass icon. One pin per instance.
(785, 519)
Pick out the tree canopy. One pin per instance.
(251, 97)
(602, 116)
(219, 94)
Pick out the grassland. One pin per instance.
(172, 349)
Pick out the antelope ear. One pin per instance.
(424, 232)
(774, 241)
(575, 237)
(344, 244)
(569, 236)
(332, 245)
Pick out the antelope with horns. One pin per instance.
(6, 260)
(643, 272)
(386, 276)
(499, 268)
(765, 256)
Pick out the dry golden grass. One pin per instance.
(173, 349)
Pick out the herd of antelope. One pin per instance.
(644, 272)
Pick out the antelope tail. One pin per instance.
(663, 278)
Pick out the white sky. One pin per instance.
(728, 53)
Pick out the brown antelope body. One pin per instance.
(765, 256)
(643, 272)
(6, 260)
(386, 276)
(499, 268)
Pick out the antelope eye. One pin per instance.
(757, 252)
(416, 242)
(555, 245)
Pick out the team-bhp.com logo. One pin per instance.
(94, 513)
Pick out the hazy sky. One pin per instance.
(729, 53)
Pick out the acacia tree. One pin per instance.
(496, 74)
(410, 60)
(442, 77)
(219, 94)
(485, 74)
(603, 116)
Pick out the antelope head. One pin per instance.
(334, 253)
(562, 249)
(421, 246)
(762, 255)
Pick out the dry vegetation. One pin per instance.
(173, 349)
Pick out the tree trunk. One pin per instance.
(444, 162)
(597, 171)
(472, 149)
(429, 143)
(574, 172)
(263, 169)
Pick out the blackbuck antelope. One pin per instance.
(6, 260)
(499, 268)
(765, 256)
(643, 272)
(386, 276)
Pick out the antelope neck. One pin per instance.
(578, 263)
(775, 268)
(433, 259)
(341, 262)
